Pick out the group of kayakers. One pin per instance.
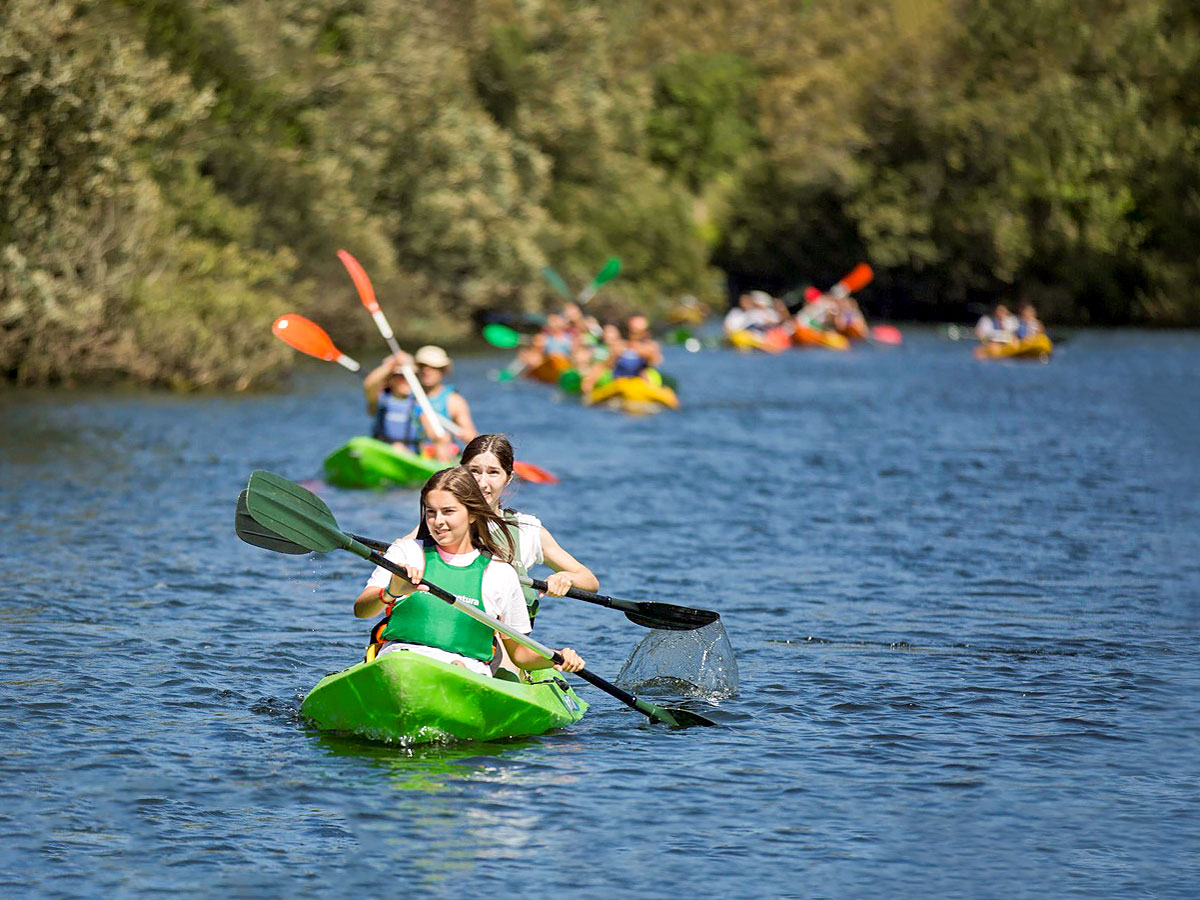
(573, 340)
(1001, 327)
(759, 315)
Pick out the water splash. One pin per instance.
(697, 663)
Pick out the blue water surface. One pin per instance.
(963, 598)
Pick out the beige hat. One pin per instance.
(432, 356)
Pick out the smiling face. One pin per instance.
(447, 520)
(485, 468)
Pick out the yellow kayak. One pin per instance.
(774, 341)
(1038, 347)
(633, 395)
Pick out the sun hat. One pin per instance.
(434, 357)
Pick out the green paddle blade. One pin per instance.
(611, 270)
(501, 336)
(296, 514)
(254, 532)
(556, 282)
(570, 381)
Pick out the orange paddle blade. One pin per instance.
(857, 279)
(358, 275)
(533, 474)
(887, 334)
(310, 338)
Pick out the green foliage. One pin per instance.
(175, 174)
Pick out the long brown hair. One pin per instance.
(461, 484)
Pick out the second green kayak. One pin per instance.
(409, 698)
(364, 462)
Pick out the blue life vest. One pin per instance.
(628, 365)
(398, 419)
(558, 345)
(394, 420)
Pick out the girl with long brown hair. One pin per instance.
(460, 545)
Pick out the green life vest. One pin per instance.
(421, 618)
(531, 595)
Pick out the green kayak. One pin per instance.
(412, 699)
(364, 462)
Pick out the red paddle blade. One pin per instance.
(533, 474)
(857, 279)
(310, 339)
(306, 336)
(887, 334)
(362, 283)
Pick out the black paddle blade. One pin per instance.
(676, 718)
(669, 617)
(296, 514)
(253, 532)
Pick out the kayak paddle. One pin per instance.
(366, 293)
(303, 518)
(556, 282)
(611, 270)
(886, 334)
(301, 334)
(501, 336)
(856, 279)
(664, 616)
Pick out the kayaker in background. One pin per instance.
(641, 350)
(555, 339)
(999, 327)
(611, 346)
(389, 400)
(489, 459)
(460, 545)
(1028, 323)
(818, 312)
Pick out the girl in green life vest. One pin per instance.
(460, 545)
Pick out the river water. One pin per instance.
(962, 597)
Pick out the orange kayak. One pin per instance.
(828, 340)
(549, 370)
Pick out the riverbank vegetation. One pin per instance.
(176, 173)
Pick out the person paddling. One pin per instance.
(463, 546)
(998, 328)
(398, 416)
(489, 459)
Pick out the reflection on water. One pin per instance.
(696, 663)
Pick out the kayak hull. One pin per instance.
(824, 340)
(774, 341)
(1038, 347)
(633, 395)
(549, 370)
(364, 462)
(408, 698)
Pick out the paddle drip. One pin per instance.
(697, 663)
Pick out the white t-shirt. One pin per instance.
(502, 596)
(529, 530)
